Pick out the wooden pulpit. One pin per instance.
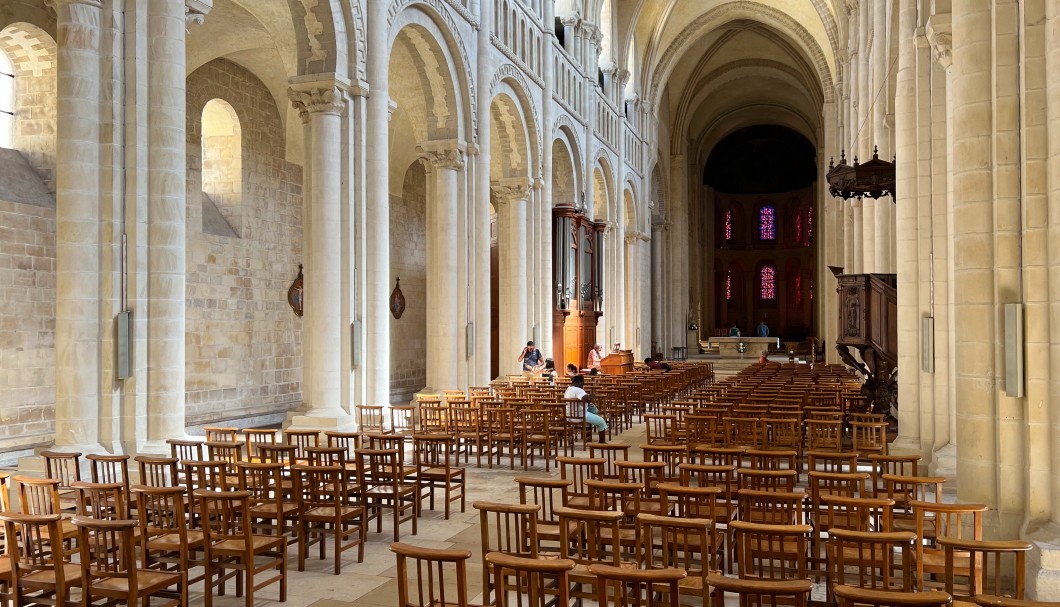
(617, 363)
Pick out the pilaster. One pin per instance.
(509, 198)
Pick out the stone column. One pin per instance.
(509, 198)
(78, 329)
(1052, 105)
(880, 133)
(167, 223)
(479, 373)
(444, 162)
(974, 310)
(320, 105)
(658, 323)
(909, 253)
(377, 211)
(857, 233)
(678, 250)
(547, 202)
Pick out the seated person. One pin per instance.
(652, 364)
(549, 370)
(595, 356)
(572, 370)
(764, 358)
(576, 391)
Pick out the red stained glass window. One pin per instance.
(728, 225)
(728, 286)
(798, 290)
(767, 282)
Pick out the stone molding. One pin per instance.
(635, 235)
(195, 11)
(324, 100)
(661, 226)
(55, 4)
(940, 36)
(442, 159)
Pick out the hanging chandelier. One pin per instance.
(872, 179)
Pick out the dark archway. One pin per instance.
(761, 159)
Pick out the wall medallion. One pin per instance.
(397, 300)
(296, 293)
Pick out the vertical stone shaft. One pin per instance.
(908, 233)
(480, 372)
(77, 224)
(167, 209)
(321, 110)
(1052, 105)
(511, 238)
(443, 169)
(973, 237)
(867, 213)
(881, 61)
(377, 230)
(547, 297)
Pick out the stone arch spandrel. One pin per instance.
(35, 14)
(321, 33)
(513, 77)
(511, 157)
(434, 15)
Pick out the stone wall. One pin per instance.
(408, 261)
(27, 325)
(33, 53)
(243, 341)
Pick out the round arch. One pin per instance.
(510, 80)
(563, 136)
(604, 207)
(511, 158)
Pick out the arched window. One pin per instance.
(222, 169)
(798, 290)
(809, 223)
(798, 227)
(767, 282)
(728, 285)
(727, 230)
(767, 223)
(7, 101)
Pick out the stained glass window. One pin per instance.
(809, 286)
(809, 223)
(728, 286)
(798, 290)
(728, 225)
(767, 279)
(798, 228)
(767, 223)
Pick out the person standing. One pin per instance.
(576, 391)
(734, 331)
(595, 356)
(762, 330)
(531, 358)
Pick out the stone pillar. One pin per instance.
(377, 211)
(479, 373)
(974, 310)
(857, 233)
(78, 327)
(658, 248)
(547, 202)
(321, 104)
(678, 249)
(509, 198)
(881, 136)
(167, 224)
(444, 162)
(909, 254)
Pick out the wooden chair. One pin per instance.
(670, 455)
(157, 471)
(646, 474)
(370, 419)
(300, 440)
(905, 490)
(626, 498)
(384, 487)
(509, 529)
(824, 435)
(589, 537)
(953, 521)
(253, 437)
(466, 424)
(578, 470)
(777, 552)
(852, 596)
(403, 419)
(661, 429)
(324, 509)
(230, 544)
(624, 587)
(870, 559)
(767, 480)
(687, 544)
(500, 433)
(109, 572)
(868, 438)
(185, 449)
(433, 456)
(270, 511)
(40, 496)
(433, 419)
(550, 494)
(538, 435)
(41, 571)
(759, 593)
(610, 453)
(66, 468)
(997, 567)
(102, 501)
(431, 567)
(896, 465)
(544, 581)
(166, 542)
(109, 469)
(831, 461)
(221, 433)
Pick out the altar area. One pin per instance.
(729, 347)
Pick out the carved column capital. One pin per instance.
(633, 236)
(55, 4)
(505, 192)
(195, 11)
(939, 35)
(442, 155)
(323, 100)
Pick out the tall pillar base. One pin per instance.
(944, 461)
(1043, 565)
(321, 419)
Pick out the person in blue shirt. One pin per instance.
(531, 358)
(762, 330)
